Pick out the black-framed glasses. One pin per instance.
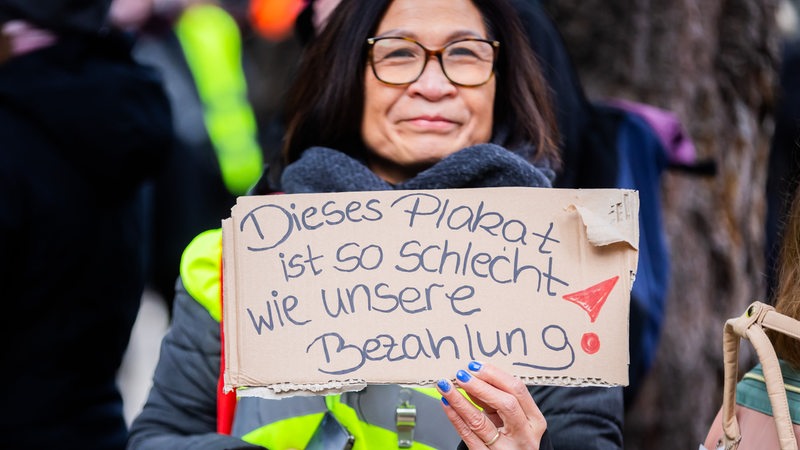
(401, 60)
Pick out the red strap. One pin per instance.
(226, 403)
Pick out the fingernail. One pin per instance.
(463, 376)
(444, 385)
(444, 400)
(474, 366)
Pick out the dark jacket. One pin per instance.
(181, 410)
(81, 128)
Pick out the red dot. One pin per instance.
(590, 343)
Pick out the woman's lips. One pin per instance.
(432, 123)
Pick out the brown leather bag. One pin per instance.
(726, 432)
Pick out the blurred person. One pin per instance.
(82, 125)
(753, 406)
(783, 172)
(130, 15)
(448, 94)
(196, 46)
(274, 19)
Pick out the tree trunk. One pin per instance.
(713, 63)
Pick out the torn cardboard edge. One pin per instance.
(600, 233)
(278, 390)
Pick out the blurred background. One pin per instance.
(726, 68)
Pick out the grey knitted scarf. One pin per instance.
(322, 169)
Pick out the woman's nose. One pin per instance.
(433, 83)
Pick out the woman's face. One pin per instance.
(408, 128)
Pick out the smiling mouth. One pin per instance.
(434, 124)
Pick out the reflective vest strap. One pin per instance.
(289, 422)
(200, 270)
(430, 392)
(294, 433)
(371, 416)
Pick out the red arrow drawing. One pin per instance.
(592, 298)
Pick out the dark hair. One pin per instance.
(788, 290)
(326, 101)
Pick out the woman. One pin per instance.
(753, 406)
(403, 94)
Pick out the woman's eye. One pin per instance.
(400, 53)
(461, 52)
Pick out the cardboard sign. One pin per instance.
(330, 292)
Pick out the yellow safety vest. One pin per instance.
(379, 416)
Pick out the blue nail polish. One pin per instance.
(444, 400)
(463, 376)
(444, 385)
(474, 366)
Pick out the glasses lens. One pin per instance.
(400, 61)
(468, 62)
(397, 61)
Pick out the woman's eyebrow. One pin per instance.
(456, 34)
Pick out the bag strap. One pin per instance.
(750, 325)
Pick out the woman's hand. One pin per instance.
(510, 418)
